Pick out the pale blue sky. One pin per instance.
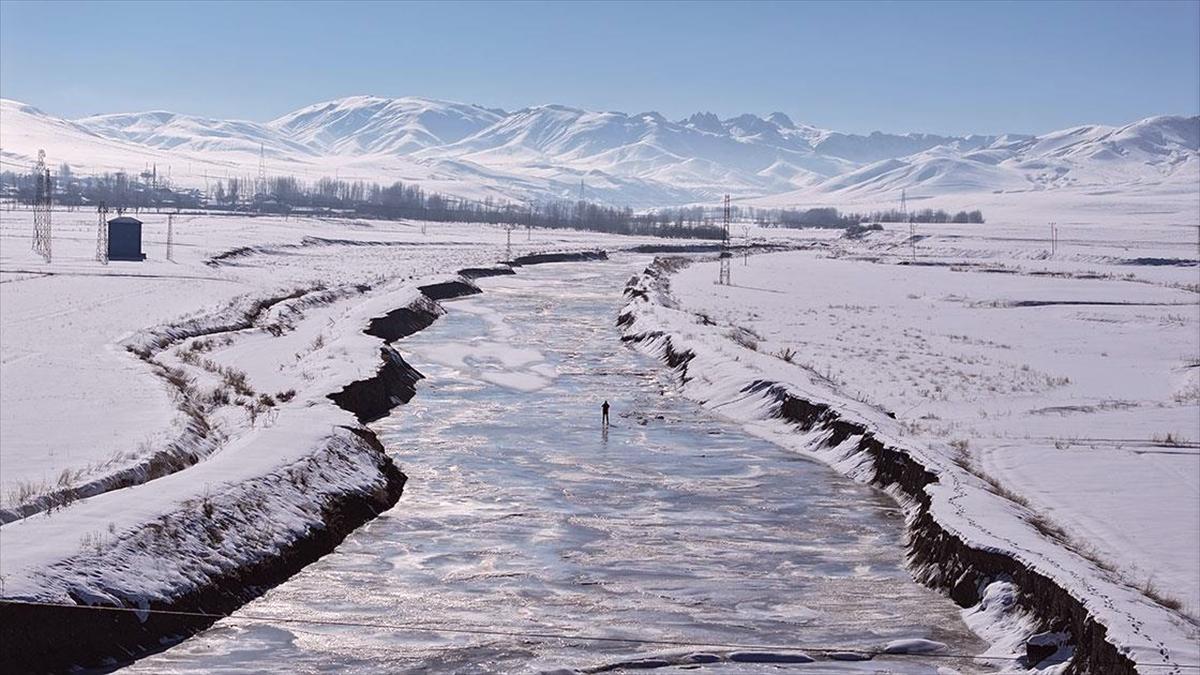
(937, 67)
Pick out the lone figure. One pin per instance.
(604, 412)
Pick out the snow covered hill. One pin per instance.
(642, 159)
(369, 124)
(1152, 151)
(24, 130)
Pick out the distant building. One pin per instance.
(125, 239)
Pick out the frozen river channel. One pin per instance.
(525, 531)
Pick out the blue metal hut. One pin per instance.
(125, 239)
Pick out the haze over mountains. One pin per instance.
(642, 160)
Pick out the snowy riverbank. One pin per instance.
(932, 400)
(201, 457)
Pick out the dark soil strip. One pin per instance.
(473, 273)
(374, 398)
(569, 256)
(1161, 262)
(1094, 303)
(400, 323)
(448, 290)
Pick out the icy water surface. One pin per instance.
(523, 520)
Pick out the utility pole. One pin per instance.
(903, 203)
(41, 207)
(102, 233)
(508, 242)
(912, 237)
(171, 237)
(723, 276)
(1053, 238)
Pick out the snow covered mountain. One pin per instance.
(1152, 151)
(369, 124)
(170, 131)
(638, 159)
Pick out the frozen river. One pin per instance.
(525, 530)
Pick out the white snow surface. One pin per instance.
(79, 408)
(1071, 381)
(643, 160)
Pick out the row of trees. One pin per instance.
(818, 217)
(831, 217)
(927, 216)
(115, 189)
(287, 195)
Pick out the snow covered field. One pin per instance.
(1059, 394)
(207, 376)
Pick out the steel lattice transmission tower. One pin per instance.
(726, 255)
(41, 207)
(102, 233)
(171, 237)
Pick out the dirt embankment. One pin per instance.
(37, 639)
(939, 558)
(943, 560)
(395, 382)
(565, 256)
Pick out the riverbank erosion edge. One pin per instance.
(180, 568)
(180, 557)
(1036, 600)
(341, 485)
(102, 581)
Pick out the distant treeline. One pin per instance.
(328, 196)
(926, 216)
(832, 217)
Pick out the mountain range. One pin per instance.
(642, 160)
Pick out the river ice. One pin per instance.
(523, 516)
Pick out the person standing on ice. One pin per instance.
(604, 413)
